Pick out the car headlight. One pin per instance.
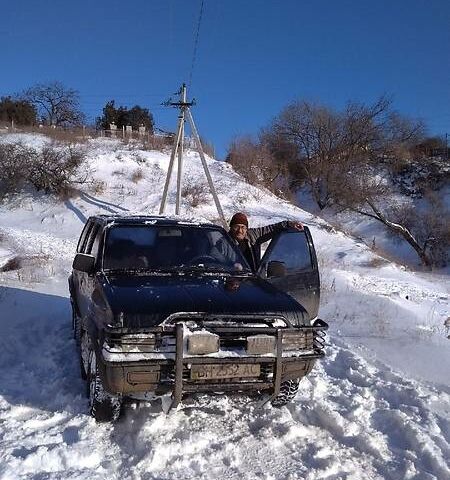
(298, 341)
(260, 344)
(139, 342)
(202, 343)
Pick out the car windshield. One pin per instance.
(180, 248)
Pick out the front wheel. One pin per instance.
(288, 390)
(104, 406)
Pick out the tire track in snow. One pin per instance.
(29, 242)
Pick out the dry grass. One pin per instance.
(375, 262)
(157, 142)
(64, 135)
(195, 193)
(98, 187)
(74, 135)
(137, 175)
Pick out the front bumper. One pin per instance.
(171, 372)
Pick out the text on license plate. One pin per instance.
(226, 370)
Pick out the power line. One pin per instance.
(194, 55)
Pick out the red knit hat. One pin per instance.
(239, 218)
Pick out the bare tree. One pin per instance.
(329, 143)
(56, 104)
(256, 163)
(371, 196)
(316, 132)
(340, 154)
(332, 146)
(285, 155)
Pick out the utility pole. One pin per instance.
(177, 150)
(180, 151)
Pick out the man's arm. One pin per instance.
(262, 234)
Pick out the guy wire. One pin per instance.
(194, 55)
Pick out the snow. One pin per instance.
(377, 407)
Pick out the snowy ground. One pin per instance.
(377, 407)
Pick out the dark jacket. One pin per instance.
(251, 245)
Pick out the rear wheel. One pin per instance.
(76, 324)
(288, 391)
(104, 406)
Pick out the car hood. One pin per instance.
(147, 301)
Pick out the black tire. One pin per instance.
(288, 391)
(76, 324)
(84, 352)
(83, 373)
(103, 406)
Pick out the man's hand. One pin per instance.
(296, 225)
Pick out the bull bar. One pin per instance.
(318, 329)
(274, 367)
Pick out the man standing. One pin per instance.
(249, 240)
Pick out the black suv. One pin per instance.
(158, 308)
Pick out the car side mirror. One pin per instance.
(84, 263)
(276, 269)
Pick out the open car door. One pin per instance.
(290, 264)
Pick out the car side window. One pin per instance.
(81, 248)
(83, 236)
(91, 237)
(290, 249)
(97, 241)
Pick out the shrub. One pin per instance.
(98, 187)
(56, 169)
(137, 175)
(195, 193)
(257, 163)
(19, 111)
(13, 165)
(208, 148)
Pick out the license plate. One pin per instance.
(226, 370)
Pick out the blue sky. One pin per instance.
(254, 56)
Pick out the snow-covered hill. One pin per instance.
(377, 407)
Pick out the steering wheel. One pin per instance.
(203, 258)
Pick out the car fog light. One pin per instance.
(260, 344)
(131, 343)
(202, 343)
(298, 340)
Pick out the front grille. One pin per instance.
(232, 341)
(298, 340)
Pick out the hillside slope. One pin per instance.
(377, 406)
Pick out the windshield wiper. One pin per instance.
(212, 270)
(138, 271)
